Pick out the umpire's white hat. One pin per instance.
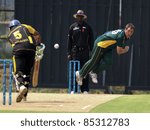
(80, 13)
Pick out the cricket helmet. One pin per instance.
(14, 22)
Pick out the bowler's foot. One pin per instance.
(94, 77)
(22, 92)
(78, 78)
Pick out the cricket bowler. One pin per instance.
(101, 57)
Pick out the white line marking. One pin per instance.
(86, 107)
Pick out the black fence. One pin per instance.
(52, 19)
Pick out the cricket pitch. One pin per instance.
(56, 102)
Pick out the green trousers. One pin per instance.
(100, 60)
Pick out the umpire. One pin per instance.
(80, 43)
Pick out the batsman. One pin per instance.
(101, 57)
(24, 40)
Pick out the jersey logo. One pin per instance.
(75, 28)
(116, 31)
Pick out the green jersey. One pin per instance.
(112, 39)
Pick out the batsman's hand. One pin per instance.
(39, 51)
(39, 57)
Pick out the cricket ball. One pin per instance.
(56, 46)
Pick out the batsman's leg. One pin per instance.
(21, 84)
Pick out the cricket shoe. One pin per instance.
(22, 91)
(94, 77)
(72, 92)
(85, 92)
(79, 78)
(24, 98)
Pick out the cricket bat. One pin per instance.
(36, 68)
(35, 75)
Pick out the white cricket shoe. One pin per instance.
(78, 78)
(72, 92)
(22, 91)
(85, 92)
(94, 77)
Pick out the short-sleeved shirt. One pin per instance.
(112, 39)
(21, 38)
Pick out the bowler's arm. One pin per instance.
(121, 50)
